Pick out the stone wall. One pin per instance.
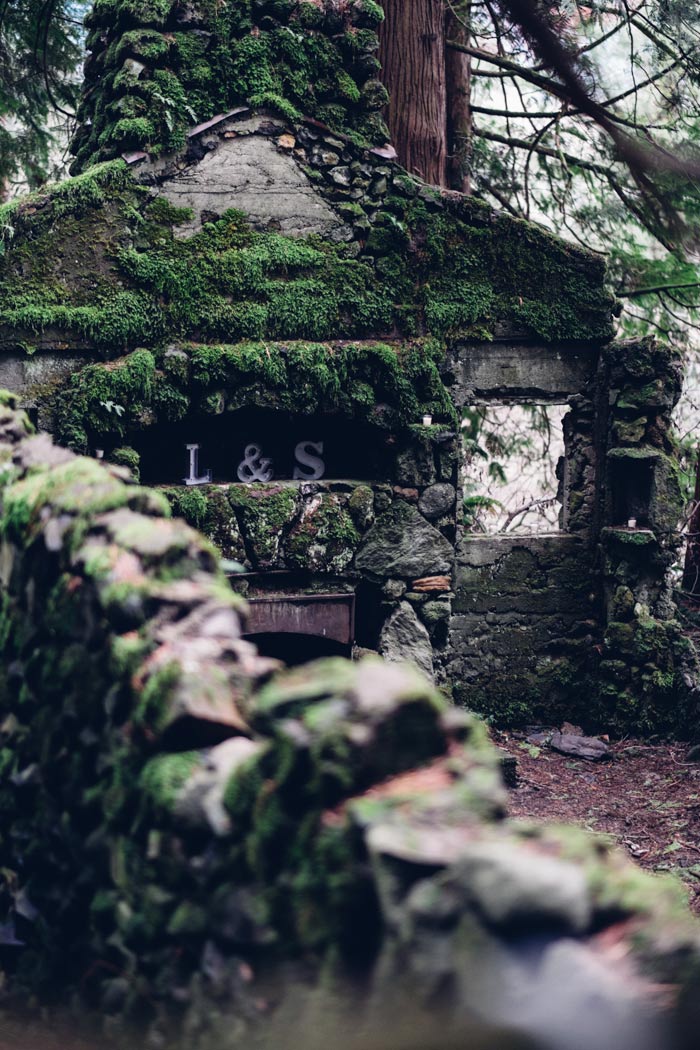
(103, 260)
(529, 610)
(393, 543)
(155, 69)
(581, 624)
(527, 615)
(200, 850)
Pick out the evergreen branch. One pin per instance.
(547, 151)
(637, 293)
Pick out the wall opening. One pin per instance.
(513, 469)
(297, 649)
(630, 491)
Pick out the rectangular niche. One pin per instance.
(513, 466)
(346, 449)
(630, 478)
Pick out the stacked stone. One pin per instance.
(649, 669)
(400, 538)
(398, 260)
(119, 638)
(158, 67)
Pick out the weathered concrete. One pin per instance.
(517, 371)
(250, 173)
(28, 373)
(524, 574)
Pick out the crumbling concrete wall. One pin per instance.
(528, 610)
(193, 839)
(540, 623)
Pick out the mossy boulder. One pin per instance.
(325, 537)
(266, 514)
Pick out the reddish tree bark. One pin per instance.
(459, 116)
(412, 53)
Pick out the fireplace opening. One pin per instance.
(297, 649)
(298, 627)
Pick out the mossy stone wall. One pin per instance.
(363, 323)
(98, 262)
(649, 667)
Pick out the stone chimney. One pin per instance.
(158, 67)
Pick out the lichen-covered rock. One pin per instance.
(266, 513)
(361, 506)
(405, 639)
(352, 726)
(209, 509)
(325, 537)
(402, 543)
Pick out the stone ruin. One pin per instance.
(272, 280)
(239, 264)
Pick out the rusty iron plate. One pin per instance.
(319, 615)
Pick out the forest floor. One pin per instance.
(645, 797)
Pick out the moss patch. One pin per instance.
(448, 269)
(385, 385)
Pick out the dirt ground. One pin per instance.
(645, 797)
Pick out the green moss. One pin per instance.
(127, 457)
(264, 512)
(164, 777)
(189, 503)
(650, 696)
(250, 54)
(126, 654)
(209, 509)
(643, 453)
(244, 786)
(152, 12)
(629, 537)
(189, 919)
(152, 708)
(73, 197)
(376, 383)
(164, 213)
(325, 539)
(440, 271)
(79, 487)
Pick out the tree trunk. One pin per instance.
(412, 54)
(459, 117)
(691, 573)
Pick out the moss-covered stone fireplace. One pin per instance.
(270, 277)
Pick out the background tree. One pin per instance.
(41, 44)
(584, 116)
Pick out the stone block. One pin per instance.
(402, 543)
(405, 639)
